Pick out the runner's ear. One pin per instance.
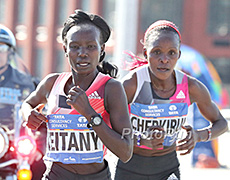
(145, 53)
(179, 54)
(64, 47)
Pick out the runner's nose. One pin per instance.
(82, 52)
(164, 58)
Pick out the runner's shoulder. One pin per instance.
(47, 82)
(50, 78)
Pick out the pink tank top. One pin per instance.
(148, 109)
(68, 139)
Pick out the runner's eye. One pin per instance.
(91, 46)
(157, 52)
(74, 46)
(172, 52)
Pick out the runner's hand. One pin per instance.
(78, 99)
(155, 138)
(188, 143)
(36, 118)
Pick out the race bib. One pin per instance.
(169, 116)
(70, 141)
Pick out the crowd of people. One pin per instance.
(89, 110)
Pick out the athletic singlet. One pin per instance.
(68, 139)
(147, 109)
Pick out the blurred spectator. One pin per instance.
(15, 85)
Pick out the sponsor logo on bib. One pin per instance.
(70, 141)
(169, 116)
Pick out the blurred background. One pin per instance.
(37, 24)
(205, 30)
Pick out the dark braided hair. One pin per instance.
(81, 17)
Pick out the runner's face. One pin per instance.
(162, 53)
(83, 48)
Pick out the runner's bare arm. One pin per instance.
(34, 103)
(130, 85)
(199, 94)
(116, 104)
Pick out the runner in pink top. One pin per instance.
(159, 97)
(87, 110)
(85, 139)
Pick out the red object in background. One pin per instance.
(205, 161)
(224, 99)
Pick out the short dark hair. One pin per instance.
(81, 17)
(161, 25)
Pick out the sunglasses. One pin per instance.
(4, 48)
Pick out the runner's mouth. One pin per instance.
(163, 69)
(82, 64)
